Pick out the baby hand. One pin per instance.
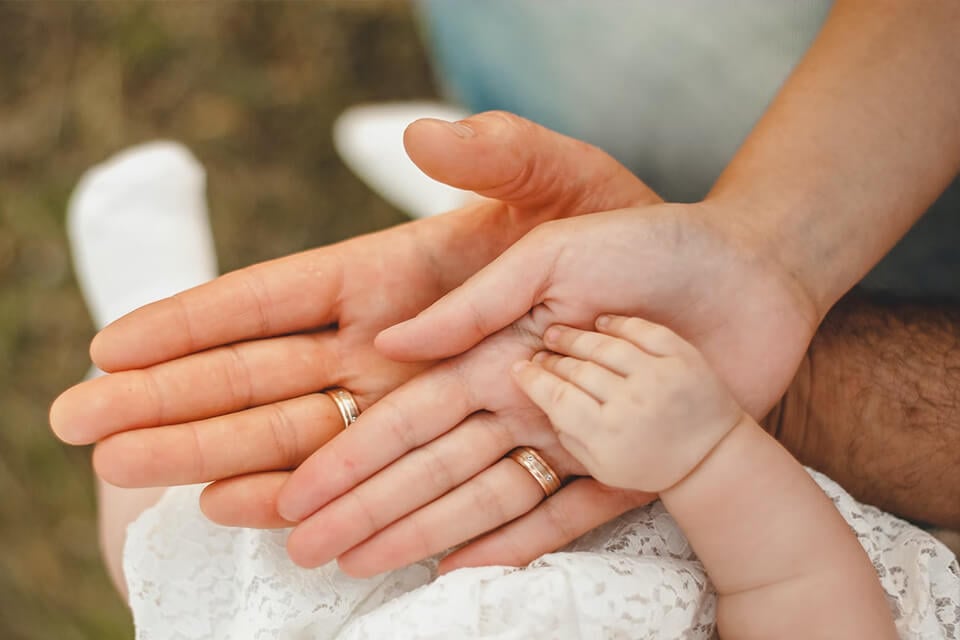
(636, 404)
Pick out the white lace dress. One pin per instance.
(635, 577)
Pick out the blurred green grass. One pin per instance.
(253, 89)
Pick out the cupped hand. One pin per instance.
(220, 383)
(413, 476)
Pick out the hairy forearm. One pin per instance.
(862, 137)
(876, 406)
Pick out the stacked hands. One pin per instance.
(519, 326)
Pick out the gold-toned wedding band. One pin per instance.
(346, 404)
(536, 466)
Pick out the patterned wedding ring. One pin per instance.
(536, 466)
(346, 404)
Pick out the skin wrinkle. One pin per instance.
(253, 284)
(284, 434)
(487, 499)
(237, 369)
(559, 518)
(188, 333)
(439, 472)
(153, 392)
(200, 461)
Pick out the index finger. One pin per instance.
(289, 294)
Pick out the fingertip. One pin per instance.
(289, 506)
(350, 565)
(434, 145)
(245, 501)
(606, 320)
(299, 551)
(112, 349)
(424, 337)
(553, 334)
(295, 500)
(520, 366)
(58, 417)
(116, 463)
(67, 415)
(540, 356)
(451, 563)
(437, 127)
(98, 351)
(391, 341)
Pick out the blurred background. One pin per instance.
(252, 89)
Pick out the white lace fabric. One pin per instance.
(636, 577)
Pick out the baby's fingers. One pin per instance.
(596, 380)
(652, 338)
(564, 403)
(571, 411)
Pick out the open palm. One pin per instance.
(420, 471)
(220, 383)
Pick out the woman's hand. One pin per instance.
(421, 470)
(220, 383)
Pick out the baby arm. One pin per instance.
(641, 409)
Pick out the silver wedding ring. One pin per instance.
(346, 404)
(531, 460)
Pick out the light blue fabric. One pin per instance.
(668, 87)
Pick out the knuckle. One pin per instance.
(663, 338)
(150, 386)
(199, 454)
(488, 501)
(365, 513)
(568, 366)
(283, 433)
(559, 517)
(607, 350)
(631, 325)
(425, 540)
(260, 301)
(236, 373)
(558, 393)
(400, 427)
(435, 469)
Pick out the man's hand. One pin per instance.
(421, 470)
(219, 383)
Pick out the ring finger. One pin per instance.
(496, 496)
(421, 476)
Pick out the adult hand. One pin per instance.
(419, 471)
(219, 383)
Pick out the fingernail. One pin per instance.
(603, 321)
(539, 356)
(552, 334)
(290, 508)
(462, 129)
(397, 328)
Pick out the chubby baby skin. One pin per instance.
(641, 409)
